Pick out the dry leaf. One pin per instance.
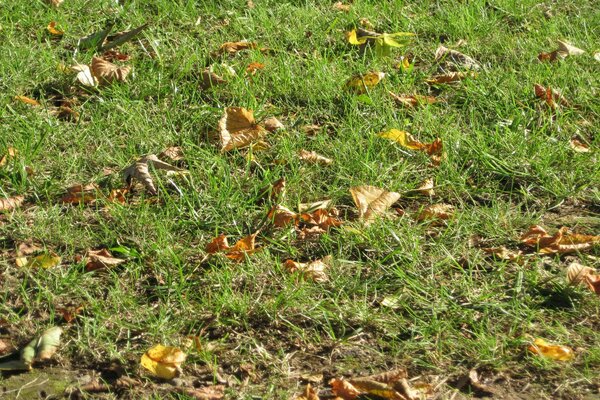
(274, 192)
(579, 146)
(65, 113)
(503, 253)
(552, 97)
(309, 393)
(311, 130)
(10, 203)
(360, 83)
(253, 67)
(580, 274)
(55, 3)
(392, 385)
(552, 56)
(339, 6)
(84, 75)
(238, 252)
(567, 49)
(314, 270)
(450, 77)
(272, 124)
(210, 79)
(174, 153)
(118, 196)
(372, 201)
(115, 55)
(11, 153)
(139, 170)
(69, 313)
(282, 216)
(455, 58)
(215, 392)
(80, 194)
(404, 138)
(323, 219)
(234, 47)
(163, 361)
(436, 211)
(27, 100)
(313, 157)
(412, 100)
(237, 128)
(99, 259)
(106, 72)
(53, 30)
(316, 205)
(597, 56)
(552, 351)
(562, 242)
(426, 188)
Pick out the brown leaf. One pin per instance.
(322, 218)
(316, 205)
(238, 252)
(234, 47)
(10, 203)
(275, 192)
(253, 67)
(115, 55)
(80, 194)
(118, 196)
(344, 389)
(216, 392)
(450, 77)
(282, 216)
(309, 393)
(27, 100)
(314, 270)
(503, 253)
(412, 100)
(578, 146)
(55, 3)
(139, 170)
(64, 113)
(372, 201)
(552, 97)
(272, 124)
(580, 274)
(339, 6)
(106, 72)
(436, 211)
(313, 157)
(11, 153)
(100, 259)
(210, 79)
(174, 153)
(426, 188)
(69, 313)
(552, 56)
(217, 244)
(237, 128)
(455, 58)
(562, 242)
(311, 130)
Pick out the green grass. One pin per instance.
(508, 165)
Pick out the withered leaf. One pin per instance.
(282, 216)
(313, 157)
(372, 201)
(27, 100)
(140, 170)
(272, 124)
(237, 252)
(580, 274)
(339, 6)
(99, 259)
(210, 79)
(84, 75)
(309, 393)
(324, 219)
(237, 128)
(450, 77)
(562, 242)
(10, 203)
(11, 153)
(503, 253)
(578, 146)
(314, 270)
(436, 211)
(82, 194)
(567, 49)
(412, 100)
(106, 72)
(274, 192)
(426, 188)
(53, 30)
(455, 58)
(215, 392)
(253, 67)
(234, 47)
(163, 361)
(552, 97)
(174, 153)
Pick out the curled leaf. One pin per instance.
(272, 124)
(84, 75)
(39, 349)
(406, 140)
(372, 201)
(562, 242)
(140, 170)
(210, 79)
(253, 67)
(237, 252)
(163, 361)
(580, 274)
(426, 188)
(578, 146)
(551, 97)
(455, 58)
(553, 351)
(339, 6)
(450, 77)
(99, 259)
(309, 393)
(503, 253)
(233, 47)
(567, 49)
(282, 216)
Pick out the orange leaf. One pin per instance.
(53, 30)
(562, 242)
(238, 252)
(11, 152)
(553, 351)
(234, 47)
(282, 216)
(27, 100)
(253, 67)
(80, 194)
(309, 393)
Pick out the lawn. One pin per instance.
(400, 288)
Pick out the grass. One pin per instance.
(508, 165)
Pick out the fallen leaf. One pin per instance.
(392, 385)
(552, 97)
(210, 79)
(372, 201)
(234, 47)
(80, 194)
(309, 393)
(552, 56)
(215, 392)
(11, 153)
(314, 270)
(27, 100)
(562, 242)
(580, 274)
(99, 259)
(555, 352)
(339, 6)
(316, 205)
(84, 75)
(140, 170)
(163, 361)
(503, 253)
(238, 252)
(455, 58)
(450, 77)
(53, 30)
(10, 203)
(274, 192)
(578, 146)
(5, 347)
(174, 153)
(95, 39)
(106, 72)
(55, 3)
(69, 313)
(436, 211)
(46, 261)
(311, 130)
(114, 55)
(360, 83)
(118, 196)
(567, 49)
(282, 216)
(426, 188)
(313, 157)
(404, 138)
(253, 67)
(237, 128)
(383, 41)
(272, 124)
(412, 100)
(323, 219)
(65, 113)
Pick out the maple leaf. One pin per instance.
(360, 83)
(314, 270)
(372, 201)
(555, 352)
(163, 361)
(562, 242)
(99, 259)
(237, 128)
(313, 157)
(140, 170)
(10, 203)
(237, 252)
(412, 100)
(106, 72)
(455, 58)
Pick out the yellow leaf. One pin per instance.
(360, 83)
(567, 49)
(53, 30)
(426, 188)
(552, 351)
(313, 158)
(404, 138)
(237, 128)
(48, 260)
(354, 39)
(163, 361)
